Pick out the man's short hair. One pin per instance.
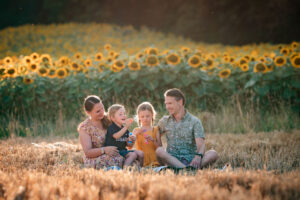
(175, 93)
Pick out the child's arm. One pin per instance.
(131, 139)
(121, 132)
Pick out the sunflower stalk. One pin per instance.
(240, 110)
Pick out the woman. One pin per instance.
(92, 132)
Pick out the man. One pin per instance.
(185, 135)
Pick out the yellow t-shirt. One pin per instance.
(148, 147)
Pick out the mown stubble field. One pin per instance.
(263, 166)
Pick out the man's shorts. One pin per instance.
(125, 152)
(184, 161)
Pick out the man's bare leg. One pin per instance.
(165, 158)
(209, 157)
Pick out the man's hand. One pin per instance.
(196, 162)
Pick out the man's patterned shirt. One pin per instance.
(181, 135)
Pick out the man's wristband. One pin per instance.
(199, 154)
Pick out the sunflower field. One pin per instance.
(46, 69)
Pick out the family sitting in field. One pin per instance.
(107, 142)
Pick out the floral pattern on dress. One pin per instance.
(98, 138)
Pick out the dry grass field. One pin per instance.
(263, 166)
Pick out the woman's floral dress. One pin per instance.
(98, 138)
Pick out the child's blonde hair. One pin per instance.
(145, 106)
(113, 109)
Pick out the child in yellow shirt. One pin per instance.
(147, 136)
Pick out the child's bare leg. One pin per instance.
(140, 157)
(130, 157)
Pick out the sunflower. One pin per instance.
(152, 51)
(209, 62)
(293, 55)
(204, 68)
(244, 67)
(27, 60)
(268, 61)
(165, 52)
(272, 55)
(116, 56)
(213, 55)
(198, 53)
(34, 56)
(75, 66)
(185, 50)
(52, 72)
(87, 62)
(22, 69)
(63, 61)
(296, 62)
(252, 59)
(114, 68)
(33, 66)
(11, 72)
(109, 60)
(262, 59)
(107, 47)
(194, 61)
(266, 55)
(232, 59)
(61, 73)
(173, 59)
(46, 58)
(152, 61)
(247, 57)
(111, 53)
(68, 70)
(294, 45)
(101, 67)
(280, 61)
(2, 70)
(260, 67)
(139, 55)
(134, 66)
(226, 59)
(226, 54)
(98, 56)
(42, 71)
(77, 56)
(119, 64)
(8, 60)
(242, 61)
(269, 68)
(27, 80)
(285, 51)
(224, 73)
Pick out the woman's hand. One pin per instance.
(111, 150)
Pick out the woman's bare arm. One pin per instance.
(86, 143)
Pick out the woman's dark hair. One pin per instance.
(88, 105)
(175, 93)
(90, 101)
